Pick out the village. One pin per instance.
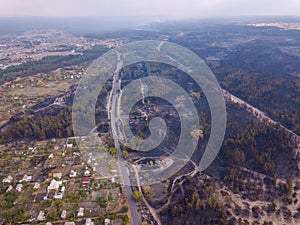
(49, 182)
(34, 45)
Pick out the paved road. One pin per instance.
(135, 217)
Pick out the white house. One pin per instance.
(80, 212)
(87, 173)
(69, 223)
(19, 187)
(76, 153)
(64, 214)
(69, 145)
(57, 175)
(73, 173)
(107, 221)
(54, 185)
(36, 185)
(26, 178)
(113, 179)
(89, 221)
(41, 216)
(8, 180)
(9, 188)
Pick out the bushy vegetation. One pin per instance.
(200, 205)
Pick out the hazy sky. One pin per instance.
(149, 8)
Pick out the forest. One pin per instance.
(54, 124)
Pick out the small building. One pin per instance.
(80, 212)
(9, 188)
(69, 223)
(107, 221)
(114, 171)
(48, 223)
(64, 214)
(89, 221)
(41, 216)
(87, 173)
(57, 175)
(36, 185)
(32, 149)
(113, 180)
(19, 187)
(54, 185)
(8, 180)
(69, 145)
(85, 181)
(26, 178)
(76, 153)
(73, 174)
(51, 156)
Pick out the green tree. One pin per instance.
(124, 154)
(137, 196)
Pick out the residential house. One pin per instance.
(69, 223)
(85, 181)
(89, 221)
(19, 187)
(32, 149)
(107, 221)
(8, 180)
(54, 185)
(36, 185)
(113, 179)
(57, 175)
(73, 174)
(80, 212)
(9, 188)
(64, 214)
(76, 153)
(26, 178)
(69, 145)
(87, 173)
(41, 216)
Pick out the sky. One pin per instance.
(149, 8)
